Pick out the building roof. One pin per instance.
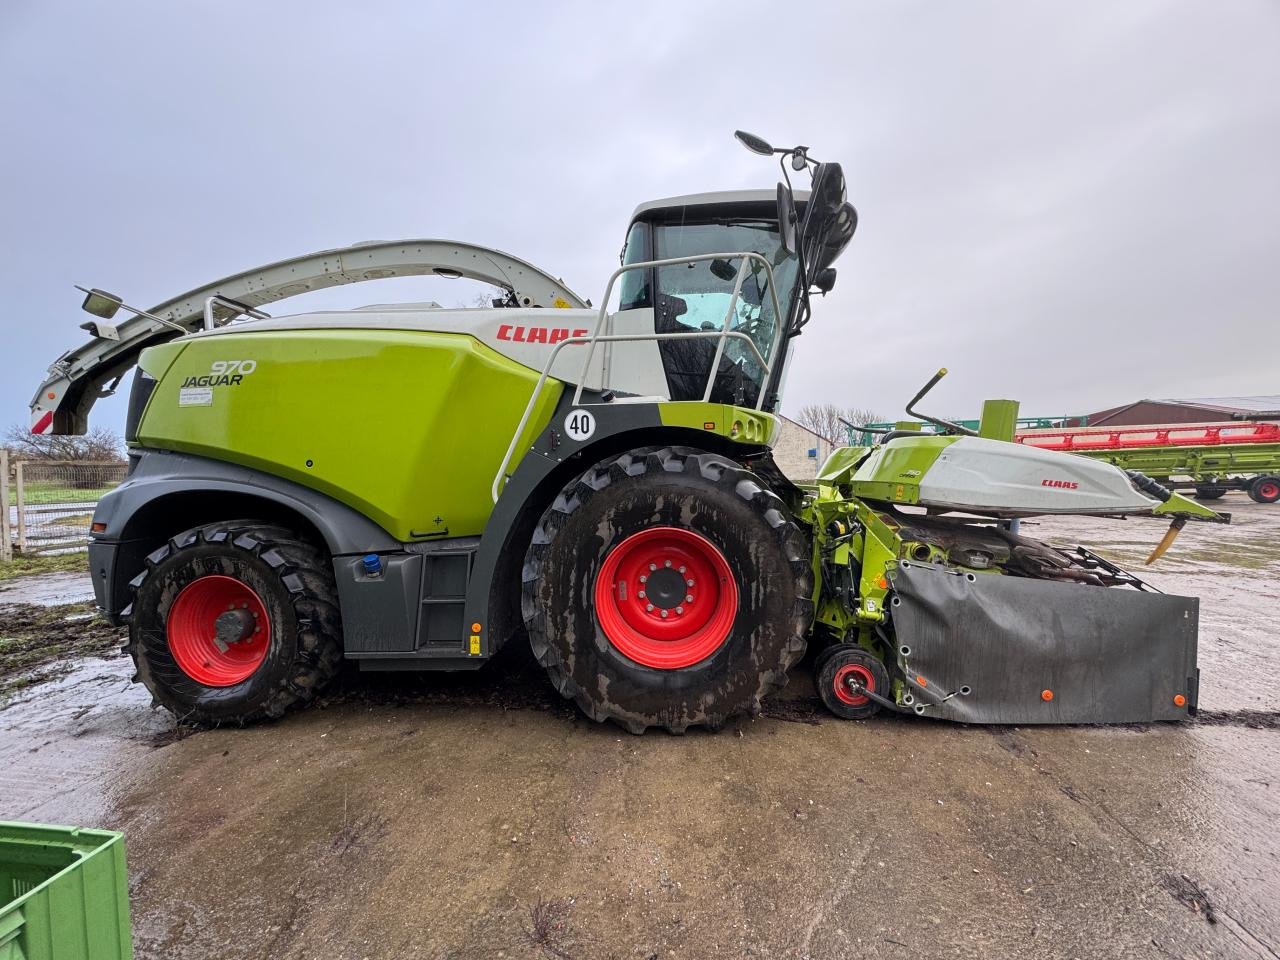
(1264, 404)
(800, 426)
(1187, 411)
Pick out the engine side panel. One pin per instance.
(406, 427)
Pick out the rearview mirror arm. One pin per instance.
(803, 268)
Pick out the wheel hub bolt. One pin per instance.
(640, 594)
(688, 598)
(664, 614)
(679, 610)
(648, 608)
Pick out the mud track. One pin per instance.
(38, 644)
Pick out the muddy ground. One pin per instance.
(481, 817)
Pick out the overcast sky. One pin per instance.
(1073, 204)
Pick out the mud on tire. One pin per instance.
(292, 579)
(673, 487)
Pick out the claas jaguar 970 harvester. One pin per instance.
(409, 488)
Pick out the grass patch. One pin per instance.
(41, 643)
(30, 564)
(42, 492)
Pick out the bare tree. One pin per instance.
(486, 297)
(824, 419)
(98, 444)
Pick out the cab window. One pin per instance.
(634, 284)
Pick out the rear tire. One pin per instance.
(1210, 492)
(1265, 489)
(606, 646)
(234, 622)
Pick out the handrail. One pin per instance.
(611, 338)
(240, 308)
(744, 255)
(721, 336)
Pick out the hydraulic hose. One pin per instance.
(1149, 486)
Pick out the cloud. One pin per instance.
(1072, 204)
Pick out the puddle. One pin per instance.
(47, 590)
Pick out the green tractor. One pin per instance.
(410, 487)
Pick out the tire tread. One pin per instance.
(304, 571)
(725, 474)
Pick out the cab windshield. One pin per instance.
(697, 297)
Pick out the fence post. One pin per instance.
(18, 499)
(6, 545)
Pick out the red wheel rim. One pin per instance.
(218, 631)
(855, 671)
(1268, 490)
(665, 598)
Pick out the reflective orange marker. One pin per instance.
(882, 583)
(922, 681)
(475, 628)
(1046, 695)
(1179, 700)
(708, 425)
(52, 395)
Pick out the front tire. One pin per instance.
(235, 622)
(667, 588)
(843, 674)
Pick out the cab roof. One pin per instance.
(748, 202)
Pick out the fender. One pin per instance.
(181, 487)
(555, 458)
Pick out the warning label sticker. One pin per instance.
(195, 397)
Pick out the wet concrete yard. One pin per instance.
(481, 817)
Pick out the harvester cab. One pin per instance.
(409, 487)
(712, 288)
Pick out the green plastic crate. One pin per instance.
(64, 894)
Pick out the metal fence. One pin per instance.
(48, 504)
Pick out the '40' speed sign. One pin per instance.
(579, 425)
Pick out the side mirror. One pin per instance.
(753, 143)
(786, 218)
(825, 280)
(723, 269)
(101, 304)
